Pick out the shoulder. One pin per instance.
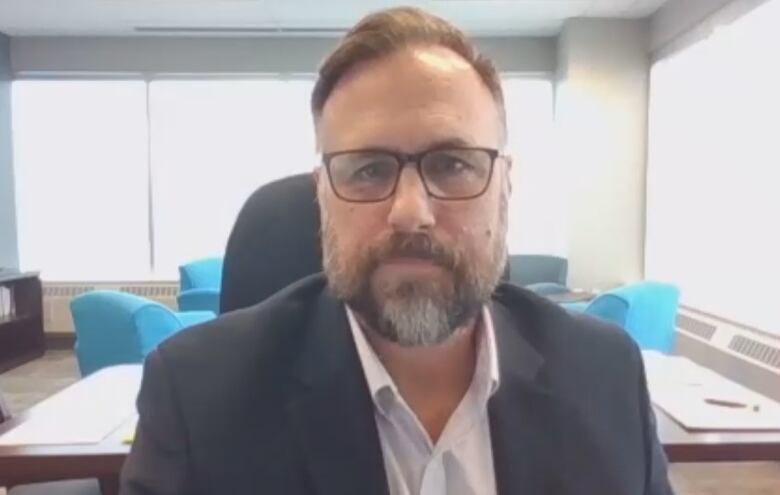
(259, 337)
(568, 342)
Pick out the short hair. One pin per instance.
(387, 31)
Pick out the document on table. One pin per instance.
(700, 399)
(76, 415)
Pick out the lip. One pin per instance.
(410, 262)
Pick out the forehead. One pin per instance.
(408, 100)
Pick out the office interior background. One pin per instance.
(644, 134)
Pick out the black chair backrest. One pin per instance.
(274, 242)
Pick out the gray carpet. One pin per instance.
(30, 383)
(33, 382)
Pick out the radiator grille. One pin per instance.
(58, 295)
(66, 290)
(152, 291)
(763, 353)
(697, 327)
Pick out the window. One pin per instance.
(213, 143)
(125, 180)
(80, 167)
(536, 211)
(712, 201)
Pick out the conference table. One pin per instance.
(86, 424)
(102, 404)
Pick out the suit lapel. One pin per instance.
(542, 442)
(332, 411)
(525, 440)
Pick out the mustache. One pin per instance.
(418, 245)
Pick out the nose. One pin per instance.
(411, 211)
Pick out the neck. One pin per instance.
(432, 379)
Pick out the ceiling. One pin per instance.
(290, 17)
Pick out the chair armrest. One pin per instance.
(190, 318)
(575, 307)
(154, 323)
(609, 307)
(199, 300)
(547, 288)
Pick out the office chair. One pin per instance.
(199, 285)
(646, 310)
(115, 327)
(274, 242)
(543, 274)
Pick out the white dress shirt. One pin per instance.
(461, 462)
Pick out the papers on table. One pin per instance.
(700, 399)
(84, 413)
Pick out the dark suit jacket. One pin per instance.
(272, 399)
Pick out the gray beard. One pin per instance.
(416, 313)
(414, 322)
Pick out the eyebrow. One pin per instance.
(450, 142)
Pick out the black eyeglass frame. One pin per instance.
(404, 159)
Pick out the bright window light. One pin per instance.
(213, 143)
(91, 157)
(536, 208)
(80, 164)
(712, 200)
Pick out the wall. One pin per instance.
(228, 55)
(8, 246)
(680, 23)
(601, 117)
(677, 17)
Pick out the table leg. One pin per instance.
(109, 485)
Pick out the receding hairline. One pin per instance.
(415, 50)
(387, 32)
(358, 67)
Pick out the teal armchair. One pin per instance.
(116, 327)
(646, 310)
(539, 273)
(200, 282)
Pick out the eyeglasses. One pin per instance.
(369, 175)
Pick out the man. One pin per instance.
(406, 369)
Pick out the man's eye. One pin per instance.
(372, 171)
(450, 165)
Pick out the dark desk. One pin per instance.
(682, 445)
(21, 333)
(27, 464)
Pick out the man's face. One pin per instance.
(414, 268)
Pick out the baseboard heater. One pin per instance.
(744, 354)
(58, 295)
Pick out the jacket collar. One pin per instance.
(333, 413)
(331, 408)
